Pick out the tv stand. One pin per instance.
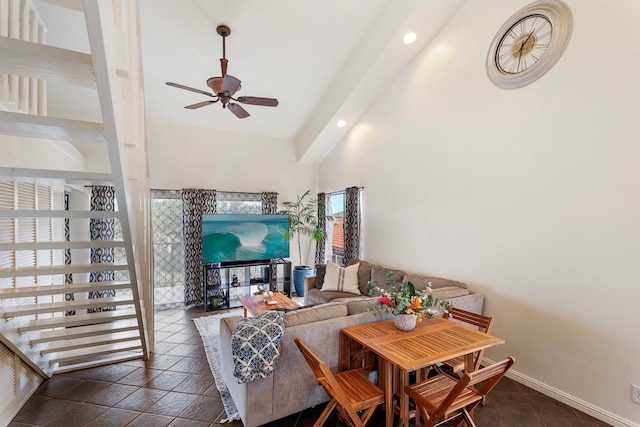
(224, 283)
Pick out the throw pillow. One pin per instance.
(341, 279)
(364, 274)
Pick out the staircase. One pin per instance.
(49, 326)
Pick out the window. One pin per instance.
(31, 196)
(335, 230)
(168, 249)
(168, 239)
(335, 207)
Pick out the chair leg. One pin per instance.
(325, 414)
(468, 418)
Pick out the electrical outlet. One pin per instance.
(635, 394)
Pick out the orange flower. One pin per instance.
(415, 304)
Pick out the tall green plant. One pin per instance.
(303, 221)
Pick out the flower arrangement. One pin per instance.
(403, 298)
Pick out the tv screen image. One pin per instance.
(229, 238)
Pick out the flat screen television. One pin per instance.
(233, 238)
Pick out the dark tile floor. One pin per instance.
(176, 388)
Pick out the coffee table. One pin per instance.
(255, 304)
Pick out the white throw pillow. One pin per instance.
(339, 279)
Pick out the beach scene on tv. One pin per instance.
(228, 238)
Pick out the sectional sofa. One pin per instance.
(293, 387)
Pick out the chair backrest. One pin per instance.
(324, 376)
(462, 394)
(490, 375)
(483, 323)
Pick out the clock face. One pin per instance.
(529, 44)
(523, 44)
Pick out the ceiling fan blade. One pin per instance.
(254, 100)
(236, 109)
(200, 104)
(179, 86)
(230, 84)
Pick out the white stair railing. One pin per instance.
(20, 20)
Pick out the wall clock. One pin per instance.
(529, 44)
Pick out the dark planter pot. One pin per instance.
(299, 273)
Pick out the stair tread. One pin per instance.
(98, 362)
(91, 341)
(28, 125)
(69, 177)
(84, 331)
(43, 213)
(76, 320)
(27, 291)
(66, 305)
(63, 244)
(61, 269)
(98, 350)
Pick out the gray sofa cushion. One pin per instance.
(379, 275)
(364, 305)
(420, 282)
(316, 296)
(449, 292)
(315, 314)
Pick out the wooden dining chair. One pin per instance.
(483, 323)
(351, 392)
(445, 398)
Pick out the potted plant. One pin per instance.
(303, 224)
(406, 302)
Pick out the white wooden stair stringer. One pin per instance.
(129, 178)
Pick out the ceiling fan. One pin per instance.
(225, 87)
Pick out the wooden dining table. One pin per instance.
(432, 341)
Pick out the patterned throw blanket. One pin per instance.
(256, 345)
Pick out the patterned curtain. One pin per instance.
(351, 224)
(68, 278)
(102, 199)
(195, 202)
(269, 203)
(322, 223)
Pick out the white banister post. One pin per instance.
(32, 106)
(23, 88)
(14, 32)
(4, 32)
(42, 84)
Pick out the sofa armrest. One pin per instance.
(309, 282)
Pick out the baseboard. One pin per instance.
(561, 396)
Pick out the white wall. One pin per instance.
(529, 196)
(188, 157)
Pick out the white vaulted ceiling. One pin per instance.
(323, 60)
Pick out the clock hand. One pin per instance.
(524, 43)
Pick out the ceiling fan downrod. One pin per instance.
(223, 31)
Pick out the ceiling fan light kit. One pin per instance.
(225, 87)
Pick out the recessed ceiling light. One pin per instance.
(409, 38)
(341, 124)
